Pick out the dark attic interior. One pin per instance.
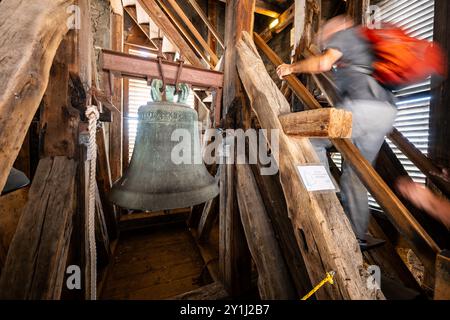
(257, 150)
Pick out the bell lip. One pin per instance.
(163, 201)
(16, 180)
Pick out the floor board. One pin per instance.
(154, 264)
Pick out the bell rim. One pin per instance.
(162, 201)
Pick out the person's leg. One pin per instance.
(320, 146)
(371, 122)
(355, 201)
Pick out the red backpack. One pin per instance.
(402, 60)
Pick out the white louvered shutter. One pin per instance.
(417, 18)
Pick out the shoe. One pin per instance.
(370, 243)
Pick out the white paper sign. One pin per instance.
(316, 178)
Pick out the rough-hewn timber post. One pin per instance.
(234, 257)
(31, 33)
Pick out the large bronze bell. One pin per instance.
(153, 181)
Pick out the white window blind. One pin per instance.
(417, 18)
(139, 94)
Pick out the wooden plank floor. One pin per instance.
(158, 263)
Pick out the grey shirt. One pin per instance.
(352, 73)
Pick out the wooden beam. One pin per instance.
(442, 286)
(284, 20)
(212, 18)
(213, 291)
(420, 161)
(274, 282)
(139, 67)
(208, 218)
(300, 24)
(81, 71)
(35, 265)
(421, 242)
(116, 126)
(276, 207)
(267, 9)
(389, 261)
(328, 122)
(32, 45)
(152, 220)
(208, 23)
(439, 149)
(126, 125)
(82, 41)
(322, 229)
(357, 9)
(58, 119)
(140, 46)
(238, 17)
(116, 6)
(163, 23)
(11, 206)
(210, 257)
(264, 8)
(102, 239)
(104, 182)
(194, 31)
(234, 255)
(185, 34)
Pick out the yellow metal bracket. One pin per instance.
(328, 278)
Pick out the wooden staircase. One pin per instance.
(426, 237)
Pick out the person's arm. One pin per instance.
(425, 199)
(441, 208)
(315, 64)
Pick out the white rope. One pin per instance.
(93, 115)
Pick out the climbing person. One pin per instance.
(349, 56)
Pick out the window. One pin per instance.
(138, 95)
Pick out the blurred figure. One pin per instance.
(349, 56)
(423, 198)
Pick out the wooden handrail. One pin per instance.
(208, 23)
(424, 246)
(428, 168)
(194, 31)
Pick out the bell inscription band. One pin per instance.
(154, 181)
